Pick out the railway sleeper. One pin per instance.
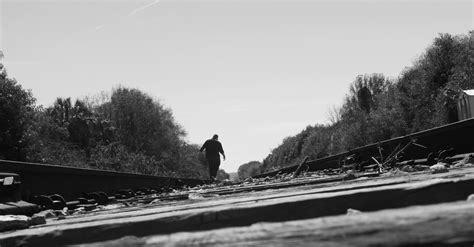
(365, 195)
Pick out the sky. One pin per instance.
(252, 71)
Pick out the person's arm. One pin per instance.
(203, 146)
(221, 150)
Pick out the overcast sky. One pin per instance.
(252, 71)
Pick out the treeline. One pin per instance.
(127, 131)
(379, 108)
(249, 169)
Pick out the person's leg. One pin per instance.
(214, 162)
(210, 169)
(215, 168)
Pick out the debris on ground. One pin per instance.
(467, 161)
(439, 168)
(155, 201)
(47, 214)
(195, 196)
(350, 176)
(470, 197)
(13, 222)
(421, 167)
(408, 168)
(36, 220)
(16, 222)
(351, 211)
(248, 180)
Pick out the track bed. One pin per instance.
(388, 209)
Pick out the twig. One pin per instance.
(398, 152)
(419, 145)
(380, 152)
(393, 152)
(378, 163)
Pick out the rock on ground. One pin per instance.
(12, 222)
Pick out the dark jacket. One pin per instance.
(213, 148)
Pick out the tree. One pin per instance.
(319, 143)
(365, 96)
(222, 175)
(16, 109)
(61, 111)
(144, 125)
(191, 162)
(249, 169)
(377, 108)
(429, 89)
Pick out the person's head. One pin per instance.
(215, 137)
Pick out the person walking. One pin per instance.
(213, 148)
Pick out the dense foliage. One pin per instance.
(222, 175)
(377, 108)
(16, 110)
(249, 169)
(128, 131)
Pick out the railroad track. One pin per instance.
(56, 187)
(421, 147)
(419, 208)
(368, 207)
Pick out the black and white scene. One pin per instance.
(236, 123)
